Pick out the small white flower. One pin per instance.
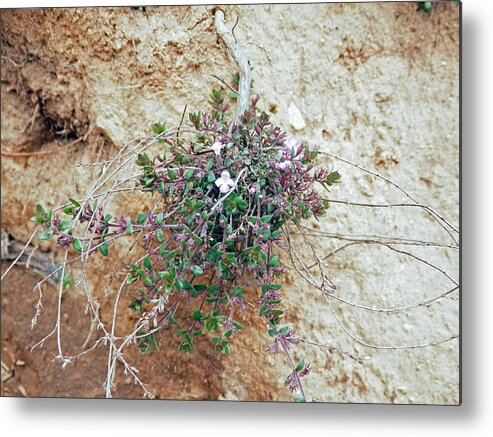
(225, 183)
(217, 147)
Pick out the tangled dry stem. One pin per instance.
(315, 274)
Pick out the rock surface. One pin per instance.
(377, 84)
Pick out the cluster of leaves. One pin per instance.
(226, 195)
(427, 7)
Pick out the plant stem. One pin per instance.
(240, 59)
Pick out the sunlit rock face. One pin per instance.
(376, 84)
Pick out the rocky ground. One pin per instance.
(377, 84)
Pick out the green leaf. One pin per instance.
(74, 202)
(197, 315)
(104, 249)
(64, 225)
(274, 261)
(238, 292)
(426, 6)
(284, 329)
(40, 210)
(166, 253)
(147, 281)
(131, 279)
(241, 203)
(152, 339)
(211, 256)
(200, 287)
(147, 263)
(46, 235)
(172, 320)
(141, 218)
(142, 159)
(189, 174)
(41, 215)
(211, 324)
(159, 218)
(158, 128)
(159, 236)
(77, 245)
(300, 365)
(185, 347)
(197, 270)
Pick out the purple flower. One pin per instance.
(121, 225)
(228, 326)
(55, 221)
(269, 296)
(305, 371)
(181, 237)
(285, 340)
(293, 379)
(64, 240)
(238, 301)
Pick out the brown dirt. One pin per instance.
(171, 375)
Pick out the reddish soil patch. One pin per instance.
(169, 374)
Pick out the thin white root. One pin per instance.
(241, 60)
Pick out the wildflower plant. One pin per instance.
(224, 196)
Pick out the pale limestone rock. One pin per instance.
(295, 117)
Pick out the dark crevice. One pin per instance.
(39, 263)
